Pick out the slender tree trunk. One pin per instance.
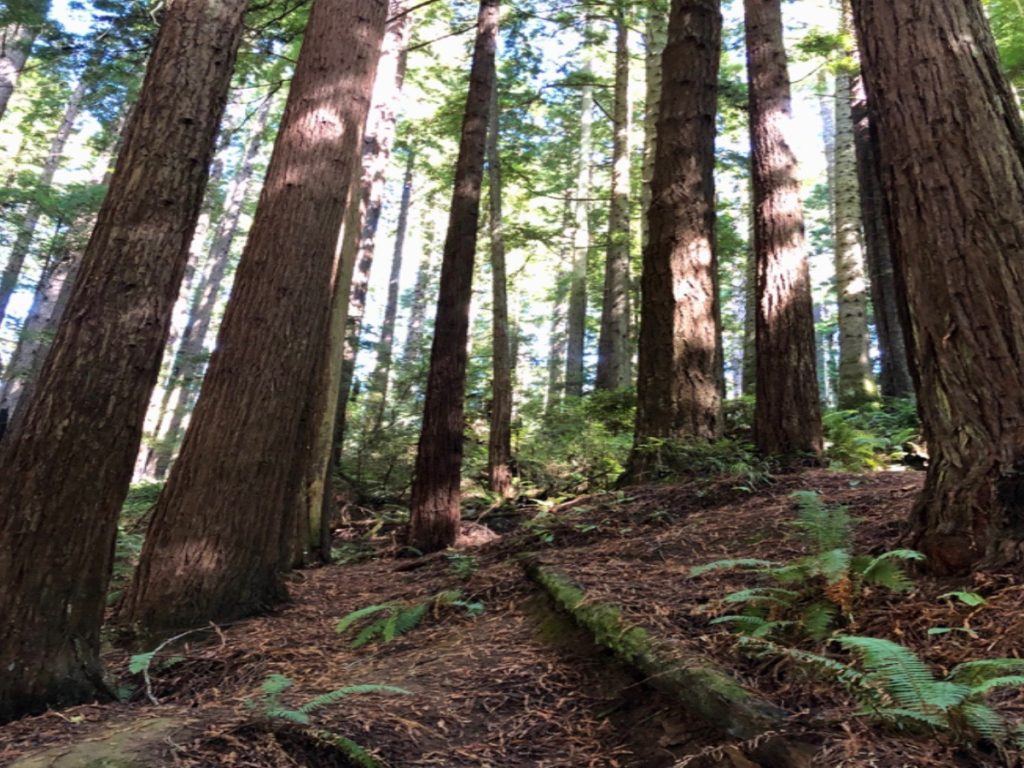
(613, 348)
(72, 453)
(223, 530)
(750, 320)
(577, 320)
(418, 308)
(895, 379)
(952, 159)
(435, 489)
(787, 415)
(20, 249)
(856, 381)
(385, 347)
(15, 44)
(677, 389)
(655, 34)
(499, 445)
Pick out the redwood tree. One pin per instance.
(223, 529)
(677, 392)
(67, 464)
(952, 158)
(787, 414)
(435, 490)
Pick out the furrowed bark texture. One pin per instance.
(952, 158)
(655, 37)
(72, 453)
(787, 415)
(677, 387)
(435, 489)
(222, 532)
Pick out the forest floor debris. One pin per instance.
(518, 684)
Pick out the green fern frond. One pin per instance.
(833, 565)
(984, 721)
(817, 619)
(276, 684)
(283, 713)
(140, 661)
(1005, 681)
(822, 526)
(369, 632)
(899, 715)
(410, 618)
(329, 698)
(885, 572)
(971, 599)
(351, 618)
(730, 565)
(776, 595)
(903, 676)
(973, 673)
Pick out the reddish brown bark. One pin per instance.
(951, 141)
(677, 386)
(223, 531)
(435, 490)
(787, 414)
(67, 465)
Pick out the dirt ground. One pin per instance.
(516, 683)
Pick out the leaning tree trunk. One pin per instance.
(856, 381)
(27, 231)
(69, 461)
(894, 379)
(435, 489)
(677, 385)
(216, 544)
(577, 318)
(787, 414)
(15, 44)
(613, 348)
(499, 445)
(952, 158)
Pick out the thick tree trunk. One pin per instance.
(70, 458)
(856, 381)
(952, 158)
(655, 36)
(27, 231)
(577, 318)
(15, 44)
(895, 379)
(677, 388)
(787, 415)
(435, 489)
(499, 445)
(223, 530)
(614, 363)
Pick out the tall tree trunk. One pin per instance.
(499, 445)
(677, 387)
(244, 455)
(27, 231)
(577, 319)
(613, 348)
(435, 489)
(418, 306)
(385, 347)
(787, 414)
(952, 158)
(15, 44)
(189, 359)
(655, 35)
(750, 318)
(70, 458)
(895, 379)
(856, 381)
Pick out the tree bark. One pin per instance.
(677, 387)
(952, 159)
(435, 489)
(614, 363)
(894, 379)
(222, 532)
(787, 414)
(499, 445)
(70, 458)
(27, 231)
(655, 37)
(15, 44)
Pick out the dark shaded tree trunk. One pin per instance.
(750, 320)
(677, 387)
(655, 34)
(787, 414)
(71, 455)
(499, 444)
(222, 532)
(435, 489)
(951, 141)
(614, 356)
(894, 379)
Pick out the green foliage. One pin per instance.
(383, 622)
(461, 565)
(817, 591)
(871, 437)
(971, 599)
(667, 458)
(130, 535)
(270, 707)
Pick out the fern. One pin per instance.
(974, 673)
(906, 678)
(349, 619)
(323, 700)
(398, 618)
(731, 565)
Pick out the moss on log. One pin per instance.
(141, 744)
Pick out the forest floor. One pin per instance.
(512, 681)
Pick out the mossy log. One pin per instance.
(704, 691)
(141, 744)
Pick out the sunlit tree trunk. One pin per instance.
(68, 462)
(223, 530)
(613, 348)
(787, 416)
(655, 36)
(15, 44)
(952, 159)
(677, 388)
(435, 490)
